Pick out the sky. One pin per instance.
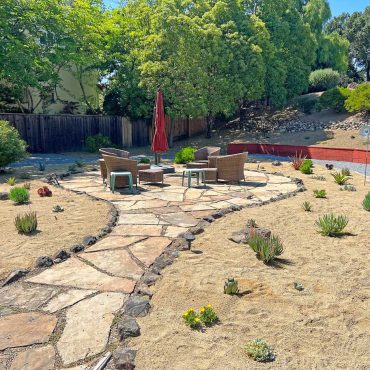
(337, 6)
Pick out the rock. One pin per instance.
(143, 289)
(164, 260)
(198, 229)
(77, 248)
(137, 306)
(14, 276)
(276, 163)
(242, 235)
(124, 358)
(4, 195)
(58, 260)
(209, 219)
(149, 278)
(128, 327)
(89, 240)
(62, 255)
(42, 358)
(44, 261)
(217, 215)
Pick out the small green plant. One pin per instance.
(144, 160)
(191, 318)
(251, 223)
(11, 181)
(27, 185)
(96, 142)
(307, 206)
(297, 161)
(331, 225)
(208, 315)
(80, 164)
(306, 167)
(42, 166)
(72, 167)
(27, 223)
(259, 350)
(318, 178)
(340, 178)
(231, 286)
(346, 172)
(366, 202)
(266, 249)
(185, 155)
(319, 193)
(19, 195)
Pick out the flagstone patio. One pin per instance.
(62, 316)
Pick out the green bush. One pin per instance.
(331, 225)
(27, 223)
(366, 202)
(144, 160)
(323, 79)
(307, 104)
(259, 350)
(335, 98)
(19, 195)
(319, 193)
(266, 249)
(12, 147)
(306, 167)
(359, 100)
(96, 142)
(185, 155)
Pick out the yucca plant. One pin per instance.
(266, 249)
(11, 181)
(319, 193)
(331, 225)
(340, 178)
(307, 206)
(27, 223)
(19, 195)
(366, 202)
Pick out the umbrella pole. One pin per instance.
(156, 156)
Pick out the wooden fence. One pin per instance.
(63, 133)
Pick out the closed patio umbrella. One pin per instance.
(159, 143)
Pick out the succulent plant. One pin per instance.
(231, 286)
(44, 192)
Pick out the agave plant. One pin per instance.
(319, 193)
(340, 178)
(307, 206)
(331, 225)
(266, 249)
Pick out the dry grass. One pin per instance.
(323, 327)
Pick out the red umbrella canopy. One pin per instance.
(159, 143)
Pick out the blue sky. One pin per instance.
(337, 6)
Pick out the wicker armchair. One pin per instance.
(229, 167)
(119, 164)
(114, 152)
(208, 151)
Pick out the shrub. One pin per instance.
(94, 143)
(44, 192)
(12, 147)
(27, 223)
(340, 178)
(185, 155)
(307, 206)
(259, 350)
(19, 195)
(266, 249)
(297, 161)
(11, 181)
(359, 100)
(191, 318)
(27, 185)
(335, 98)
(366, 202)
(319, 193)
(323, 79)
(306, 167)
(144, 160)
(208, 315)
(330, 225)
(307, 104)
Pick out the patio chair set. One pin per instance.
(120, 170)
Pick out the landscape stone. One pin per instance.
(89, 240)
(44, 261)
(4, 195)
(25, 329)
(128, 327)
(150, 278)
(77, 248)
(41, 358)
(137, 306)
(88, 326)
(124, 358)
(14, 276)
(62, 255)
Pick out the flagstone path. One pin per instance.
(62, 316)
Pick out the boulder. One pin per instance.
(62, 255)
(44, 261)
(77, 248)
(137, 306)
(124, 358)
(128, 327)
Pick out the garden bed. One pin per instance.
(82, 216)
(323, 326)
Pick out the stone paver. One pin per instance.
(24, 329)
(74, 273)
(182, 219)
(42, 358)
(114, 242)
(174, 231)
(25, 296)
(137, 230)
(116, 262)
(66, 299)
(88, 326)
(148, 250)
(138, 219)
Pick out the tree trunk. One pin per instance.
(242, 114)
(210, 120)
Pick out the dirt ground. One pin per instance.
(82, 216)
(325, 326)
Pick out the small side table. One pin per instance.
(151, 176)
(196, 165)
(199, 172)
(114, 175)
